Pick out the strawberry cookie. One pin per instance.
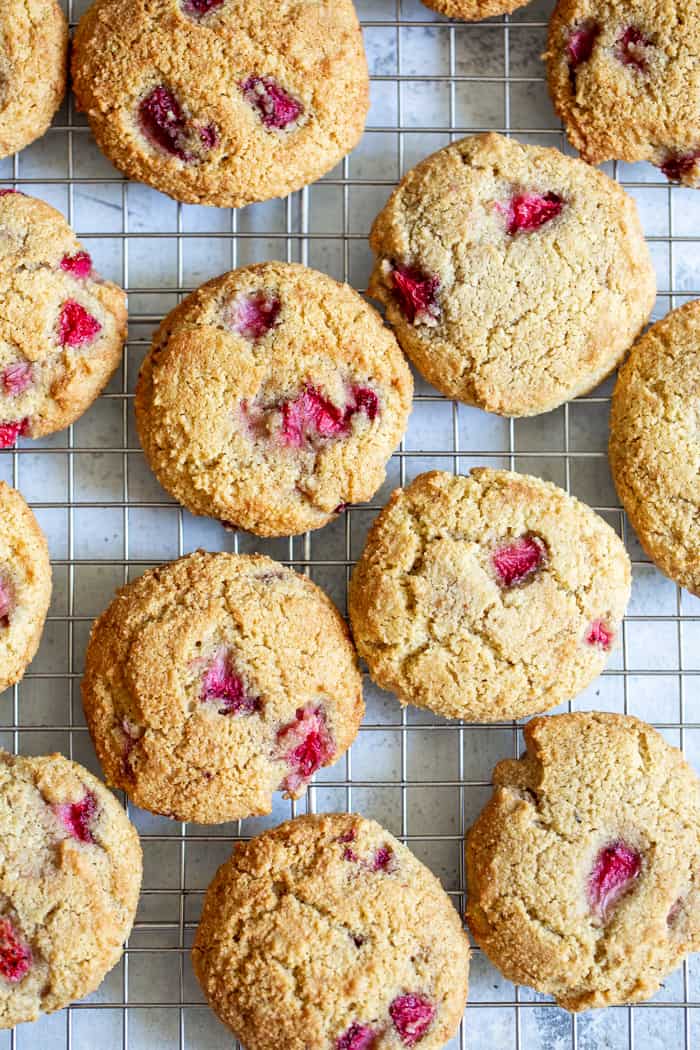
(33, 69)
(624, 76)
(583, 870)
(515, 278)
(474, 10)
(487, 597)
(215, 680)
(69, 885)
(62, 327)
(327, 934)
(271, 398)
(222, 102)
(25, 585)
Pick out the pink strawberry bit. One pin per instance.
(599, 635)
(678, 165)
(17, 378)
(384, 859)
(305, 745)
(277, 108)
(79, 264)
(6, 192)
(366, 401)
(518, 561)
(15, 954)
(6, 601)
(675, 911)
(357, 1037)
(412, 1016)
(530, 211)
(416, 293)
(76, 817)
(256, 314)
(581, 42)
(75, 325)
(615, 869)
(10, 431)
(200, 8)
(311, 415)
(630, 48)
(165, 125)
(222, 684)
(348, 836)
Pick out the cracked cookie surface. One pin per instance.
(33, 69)
(515, 277)
(212, 681)
(382, 963)
(271, 397)
(584, 868)
(474, 10)
(487, 597)
(62, 327)
(654, 453)
(625, 79)
(25, 585)
(70, 875)
(222, 103)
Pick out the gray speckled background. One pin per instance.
(425, 779)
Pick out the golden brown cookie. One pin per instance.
(474, 10)
(33, 68)
(327, 934)
(487, 597)
(654, 452)
(25, 585)
(62, 327)
(515, 277)
(212, 681)
(624, 76)
(69, 884)
(584, 868)
(222, 101)
(271, 398)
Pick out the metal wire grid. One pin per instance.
(181, 1020)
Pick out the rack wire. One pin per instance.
(107, 520)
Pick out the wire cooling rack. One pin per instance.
(107, 520)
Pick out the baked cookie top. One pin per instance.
(212, 681)
(271, 397)
(624, 76)
(515, 277)
(487, 597)
(69, 884)
(62, 327)
(222, 101)
(474, 10)
(327, 934)
(25, 585)
(654, 453)
(33, 68)
(584, 868)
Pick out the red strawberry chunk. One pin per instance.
(678, 165)
(580, 44)
(276, 107)
(631, 48)
(615, 869)
(530, 211)
(75, 325)
(200, 7)
(357, 1037)
(15, 954)
(305, 745)
(6, 601)
(412, 1016)
(600, 635)
(416, 294)
(79, 264)
(366, 401)
(519, 560)
(256, 314)
(222, 684)
(17, 378)
(76, 817)
(10, 431)
(311, 415)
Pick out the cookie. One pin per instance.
(69, 885)
(624, 77)
(33, 68)
(25, 585)
(473, 10)
(62, 327)
(215, 680)
(583, 870)
(222, 102)
(515, 278)
(327, 934)
(654, 455)
(271, 398)
(487, 597)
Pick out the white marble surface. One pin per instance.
(121, 515)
